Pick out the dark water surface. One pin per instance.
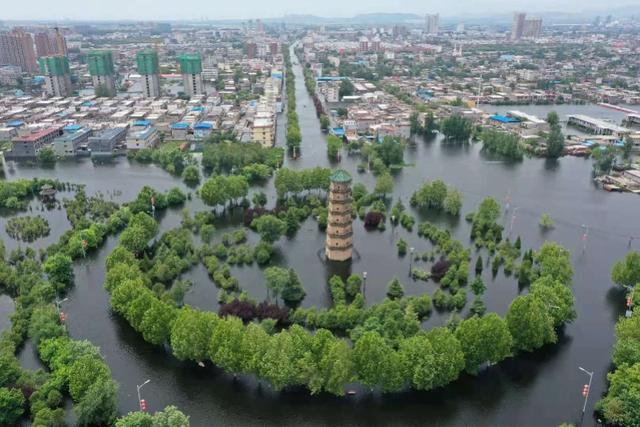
(542, 389)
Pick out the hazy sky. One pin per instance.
(243, 9)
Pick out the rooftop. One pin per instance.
(340, 175)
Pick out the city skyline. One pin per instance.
(198, 9)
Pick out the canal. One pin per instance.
(538, 389)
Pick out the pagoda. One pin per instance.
(339, 243)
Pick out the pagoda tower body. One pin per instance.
(339, 243)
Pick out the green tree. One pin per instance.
(377, 364)
(457, 128)
(448, 356)
(529, 324)
(395, 289)
(44, 324)
(557, 297)
(269, 227)
(477, 286)
(47, 417)
(626, 273)
(214, 191)
(11, 405)
(136, 419)
(59, 268)
(354, 285)
(226, 347)
(418, 356)
(156, 322)
(553, 119)
(334, 145)
(346, 88)
(276, 279)
(47, 156)
(621, 406)
(277, 363)
(453, 202)
(293, 292)
(324, 122)
(170, 417)
(627, 347)
(191, 334)
(99, 405)
(555, 142)
(483, 340)
(237, 187)
(84, 372)
(555, 261)
(259, 199)
(191, 175)
(384, 184)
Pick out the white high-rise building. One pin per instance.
(432, 24)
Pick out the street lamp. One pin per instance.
(142, 402)
(411, 250)
(364, 285)
(586, 389)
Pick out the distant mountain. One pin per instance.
(365, 18)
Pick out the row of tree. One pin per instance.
(290, 182)
(220, 190)
(294, 136)
(620, 404)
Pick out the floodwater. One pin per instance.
(539, 389)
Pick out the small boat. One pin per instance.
(351, 392)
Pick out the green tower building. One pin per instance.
(191, 69)
(57, 75)
(149, 69)
(102, 72)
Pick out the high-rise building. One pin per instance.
(44, 45)
(57, 75)
(517, 25)
(50, 43)
(259, 26)
(376, 44)
(339, 241)
(191, 69)
(149, 69)
(252, 50)
(432, 24)
(102, 72)
(60, 41)
(532, 28)
(17, 48)
(363, 44)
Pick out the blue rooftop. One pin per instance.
(142, 123)
(337, 131)
(72, 128)
(504, 119)
(203, 125)
(180, 126)
(329, 79)
(15, 123)
(197, 108)
(88, 103)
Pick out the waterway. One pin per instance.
(531, 390)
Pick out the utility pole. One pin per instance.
(141, 402)
(586, 390)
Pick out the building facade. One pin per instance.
(339, 241)
(191, 69)
(27, 146)
(57, 75)
(517, 25)
(17, 48)
(102, 72)
(107, 142)
(149, 69)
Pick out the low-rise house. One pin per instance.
(107, 142)
(142, 137)
(28, 145)
(72, 142)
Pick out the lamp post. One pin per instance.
(142, 402)
(586, 389)
(364, 285)
(411, 251)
